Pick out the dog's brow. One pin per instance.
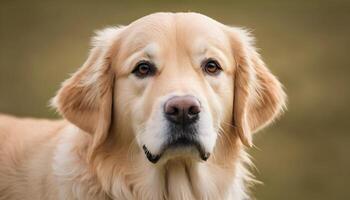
(220, 54)
(148, 52)
(204, 50)
(151, 50)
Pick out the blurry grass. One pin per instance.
(305, 43)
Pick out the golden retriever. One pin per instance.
(161, 109)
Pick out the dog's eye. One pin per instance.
(144, 69)
(211, 67)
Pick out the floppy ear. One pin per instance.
(258, 96)
(85, 99)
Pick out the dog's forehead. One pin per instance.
(169, 30)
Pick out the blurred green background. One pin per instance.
(304, 156)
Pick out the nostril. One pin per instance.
(172, 110)
(194, 110)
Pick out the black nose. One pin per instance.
(182, 109)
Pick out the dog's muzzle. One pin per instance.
(182, 114)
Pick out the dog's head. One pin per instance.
(173, 82)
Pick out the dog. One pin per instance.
(163, 108)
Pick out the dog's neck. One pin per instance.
(133, 177)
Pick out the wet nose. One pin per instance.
(182, 109)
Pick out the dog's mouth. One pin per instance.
(153, 158)
(179, 143)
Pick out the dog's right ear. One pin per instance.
(85, 99)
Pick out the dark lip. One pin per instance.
(180, 142)
(153, 158)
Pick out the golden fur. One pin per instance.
(94, 153)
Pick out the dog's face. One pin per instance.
(174, 83)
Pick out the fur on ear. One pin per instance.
(258, 97)
(85, 99)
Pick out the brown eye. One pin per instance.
(211, 67)
(144, 69)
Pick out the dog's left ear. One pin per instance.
(258, 96)
(85, 99)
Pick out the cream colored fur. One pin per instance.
(96, 151)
